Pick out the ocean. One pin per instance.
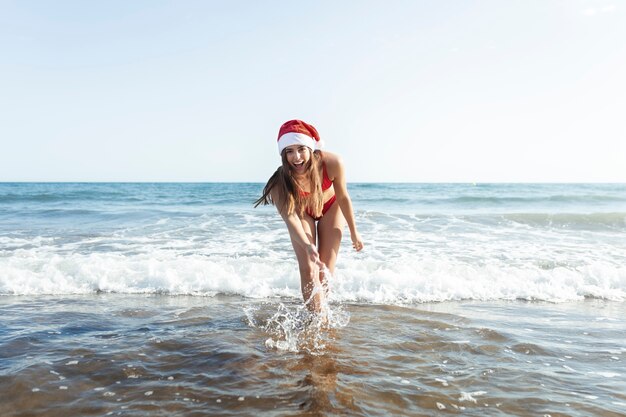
(181, 299)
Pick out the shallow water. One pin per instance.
(134, 355)
(423, 242)
(474, 299)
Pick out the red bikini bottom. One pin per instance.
(326, 207)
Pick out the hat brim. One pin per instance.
(293, 138)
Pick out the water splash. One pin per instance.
(294, 328)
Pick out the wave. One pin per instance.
(588, 221)
(407, 280)
(487, 202)
(98, 195)
(582, 220)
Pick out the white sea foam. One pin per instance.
(467, 396)
(423, 243)
(606, 374)
(358, 277)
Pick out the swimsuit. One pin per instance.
(326, 184)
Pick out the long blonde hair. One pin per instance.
(293, 199)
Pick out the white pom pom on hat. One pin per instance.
(297, 132)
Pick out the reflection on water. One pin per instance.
(160, 355)
(320, 383)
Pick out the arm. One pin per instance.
(296, 232)
(343, 198)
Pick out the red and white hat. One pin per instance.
(297, 132)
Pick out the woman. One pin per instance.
(309, 191)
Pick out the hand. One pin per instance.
(314, 256)
(357, 244)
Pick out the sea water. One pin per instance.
(182, 299)
(425, 242)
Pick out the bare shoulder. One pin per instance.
(276, 195)
(334, 164)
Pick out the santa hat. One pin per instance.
(297, 132)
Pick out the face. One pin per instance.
(298, 157)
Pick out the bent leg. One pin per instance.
(309, 272)
(329, 231)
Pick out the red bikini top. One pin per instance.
(326, 182)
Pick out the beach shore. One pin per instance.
(117, 354)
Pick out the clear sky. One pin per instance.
(420, 91)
